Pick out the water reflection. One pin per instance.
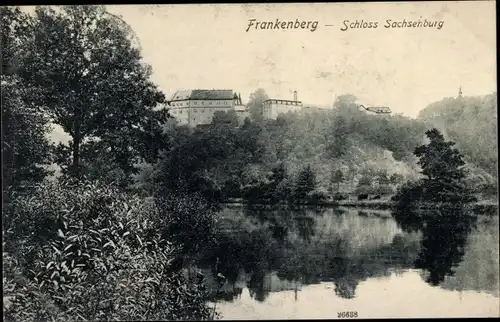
(266, 250)
(445, 235)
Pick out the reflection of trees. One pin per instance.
(230, 295)
(445, 233)
(342, 256)
(256, 286)
(346, 275)
(444, 239)
(346, 287)
(305, 227)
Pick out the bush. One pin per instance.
(382, 189)
(363, 196)
(92, 252)
(316, 197)
(339, 196)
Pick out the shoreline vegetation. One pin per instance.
(480, 206)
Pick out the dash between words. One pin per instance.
(312, 25)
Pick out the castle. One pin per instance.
(197, 106)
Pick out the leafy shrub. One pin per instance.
(316, 197)
(382, 189)
(363, 196)
(339, 196)
(94, 253)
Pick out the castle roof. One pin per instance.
(377, 109)
(203, 94)
(279, 99)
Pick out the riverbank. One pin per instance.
(484, 206)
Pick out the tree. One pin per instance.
(255, 104)
(225, 118)
(340, 135)
(443, 171)
(443, 168)
(345, 101)
(93, 84)
(365, 180)
(25, 146)
(306, 183)
(383, 178)
(337, 177)
(396, 178)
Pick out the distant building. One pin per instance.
(377, 109)
(311, 109)
(273, 107)
(195, 107)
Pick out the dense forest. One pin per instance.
(342, 150)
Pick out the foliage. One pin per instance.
(91, 81)
(222, 161)
(225, 118)
(305, 184)
(443, 171)
(90, 251)
(471, 122)
(255, 104)
(25, 147)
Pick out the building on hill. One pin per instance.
(376, 109)
(197, 106)
(313, 109)
(271, 108)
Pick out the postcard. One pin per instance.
(250, 161)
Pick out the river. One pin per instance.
(316, 263)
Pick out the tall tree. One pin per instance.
(443, 175)
(340, 134)
(306, 183)
(25, 146)
(443, 169)
(225, 118)
(93, 84)
(255, 104)
(337, 178)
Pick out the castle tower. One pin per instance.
(460, 92)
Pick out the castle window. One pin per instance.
(210, 103)
(195, 110)
(203, 110)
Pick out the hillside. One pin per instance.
(471, 122)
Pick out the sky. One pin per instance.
(208, 46)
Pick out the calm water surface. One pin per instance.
(284, 264)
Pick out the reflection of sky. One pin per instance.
(401, 295)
